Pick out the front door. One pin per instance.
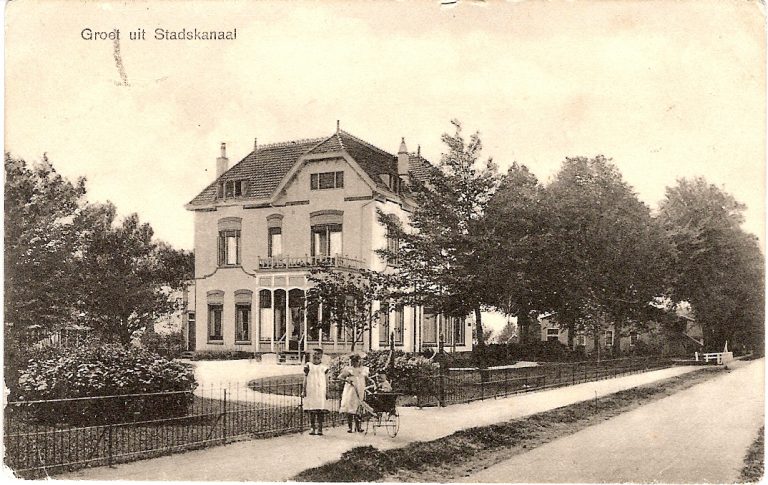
(191, 331)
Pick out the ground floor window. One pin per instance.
(265, 315)
(608, 338)
(454, 331)
(279, 314)
(242, 323)
(214, 323)
(581, 340)
(633, 338)
(398, 325)
(553, 334)
(384, 324)
(429, 327)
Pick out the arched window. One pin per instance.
(265, 315)
(274, 235)
(243, 315)
(326, 231)
(215, 309)
(229, 241)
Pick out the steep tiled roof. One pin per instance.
(330, 144)
(263, 169)
(420, 166)
(373, 160)
(266, 167)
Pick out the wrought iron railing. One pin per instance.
(49, 437)
(298, 262)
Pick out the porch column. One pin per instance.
(272, 321)
(256, 310)
(306, 325)
(288, 323)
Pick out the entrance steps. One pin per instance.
(289, 357)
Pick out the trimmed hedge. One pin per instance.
(224, 355)
(104, 370)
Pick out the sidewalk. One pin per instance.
(279, 459)
(697, 435)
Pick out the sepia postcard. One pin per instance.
(385, 241)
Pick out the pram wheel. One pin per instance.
(392, 423)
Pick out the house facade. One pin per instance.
(285, 208)
(684, 337)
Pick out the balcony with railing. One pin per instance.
(284, 262)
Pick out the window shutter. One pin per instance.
(313, 181)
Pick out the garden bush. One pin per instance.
(169, 345)
(95, 371)
(412, 374)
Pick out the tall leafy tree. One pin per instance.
(126, 277)
(347, 297)
(516, 227)
(605, 253)
(41, 239)
(718, 268)
(441, 249)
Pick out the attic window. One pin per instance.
(232, 188)
(326, 180)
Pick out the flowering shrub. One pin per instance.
(104, 370)
(412, 373)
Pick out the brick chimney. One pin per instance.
(222, 163)
(403, 162)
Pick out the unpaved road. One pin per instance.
(699, 435)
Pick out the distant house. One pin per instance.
(683, 335)
(262, 224)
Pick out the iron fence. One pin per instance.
(461, 386)
(54, 436)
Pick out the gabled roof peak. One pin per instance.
(369, 145)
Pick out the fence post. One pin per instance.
(573, 374)
(301, 410)
(224, 438)
(441, 391)
(482, 386)
(109, 445)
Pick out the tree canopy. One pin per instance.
(717, 267)
(606, 253)
(71, 262)
(441, 252)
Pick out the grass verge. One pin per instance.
(754, 462)
(464, 452)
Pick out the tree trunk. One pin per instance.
(571, 325)
(523, 326)
(617, 325)
(480, 338)
(596, 338)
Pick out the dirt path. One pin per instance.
(280, 458)
(695, 436)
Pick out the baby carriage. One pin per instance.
(380, 411)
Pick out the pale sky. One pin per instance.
(667, 89)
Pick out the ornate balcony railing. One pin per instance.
(298, 262)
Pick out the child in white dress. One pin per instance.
(315, 387)
(355, 377)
